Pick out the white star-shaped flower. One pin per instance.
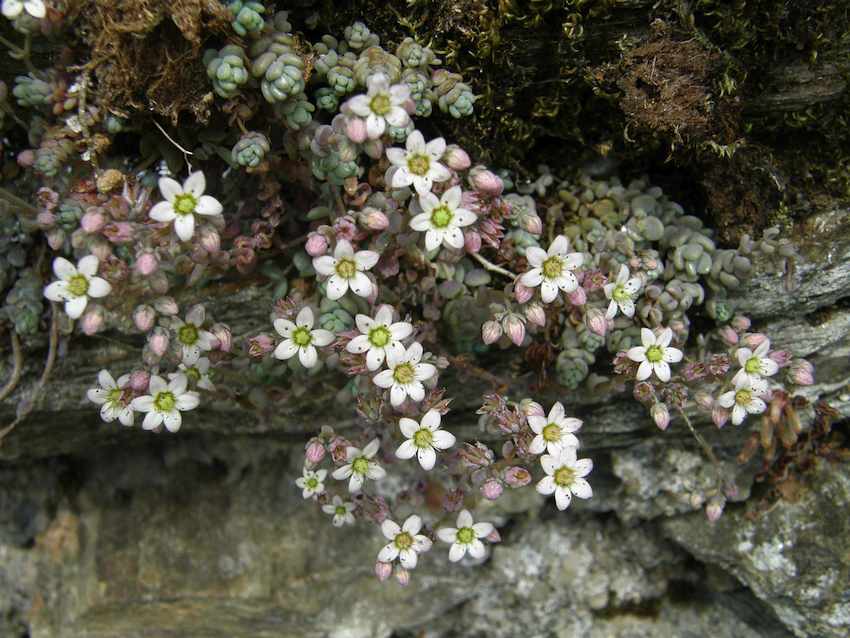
(359, 466)
(76, 284)
(755, 364)
(441, 219)
(13, 8)
(346, 269)
(197, 370)
(747, 398)
(112, 398)
(622, 293)
(341, 511)
(553, 432)
(423, 439)
(405, 375)
(165, 402)
(419, 164)
(466, 537)
(192, 338)
(379, 336)
(655, 354)
(300, 337)
(565, 477)
(381, 106)
(312, 482)
(552, 269)
(406, 543)
(182, 203)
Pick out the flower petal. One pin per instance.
(195, 184)
(208, 206)
(184, 226)
(98, 287)
(169, 188)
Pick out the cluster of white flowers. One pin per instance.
(76, 284)
(441, 219)
(622, 293)
(750, 383)
(359, 466)
(182, 203)
(655, 355)
(381, 106)
(346, 269)
(424, 439)
(552, 270)
(301, 338)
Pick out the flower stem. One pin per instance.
(492, 267)
(703, 443)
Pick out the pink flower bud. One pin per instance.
(514, 327)
(661, 415)
(704, 400)
(316, 245)
(719, 415)
(729, 336)
(166, 306)
(753, 340)
(158, 341)
(158, 282)
(147, 264)
(517, 476)
(402, 576)
(801, 372)
(139, 380)
(535, 314)
(491, 332)
(781, 357)
(596, 322)
(486, 182)
(355, 129)
(533, 224)
(578, 297)
(260, 345)
(45, 219)
(456, 158)
(374, 219)
(740, 323)
(26, 159)
(522, 293)
(210, 239)
(92, 221)
(492, 489)
(531, 408)
(315, 451)
(119, 232)
(472, 242)
(383, 570)
(223, 335)
(55, 238)
(144, 317)
(374, 149)
(714, 508)
(92, 321)
(494, 536)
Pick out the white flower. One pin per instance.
(755, 364)
(405, 375)
(381, 106)
(165, 402)
(13, 8)
(745, 399)
(360, 466)
(466, 537)
(197, 370)
(341, 511)
(76, 285)
(111, 397)
(622, 293)
(406, 543)
(655, 354)
(419, 165)
(554, 432)
(300, 337)
(191, 337)
(565, 477)
(379, 336)
(346, 270)
(552, 269)
(423, 439)
(182, 203)
(312, 482)
(442, 219)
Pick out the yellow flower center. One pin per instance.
(346, 268)
(164, 401)
(620, 293)
(564, 477)
(553, 267)
(380, 336)
(441, 217)
(404, 541)
(340, 510)
(360, 465)
(423, 438)
(185, 204)
(743, 397)
(419, 164)
(753, 365)
(551, 433)
(380, 104)
(404, 373)
(301, 336)
(114, 396)
(465, 535)
(654, 354)
(187, 334)
(78, 285)
(312, 482)
(193, 374)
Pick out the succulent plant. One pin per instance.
(247, 16)
(278, 65)
(31, 91)
(250, 150)
(227, 69)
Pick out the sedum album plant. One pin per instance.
(392, 257)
